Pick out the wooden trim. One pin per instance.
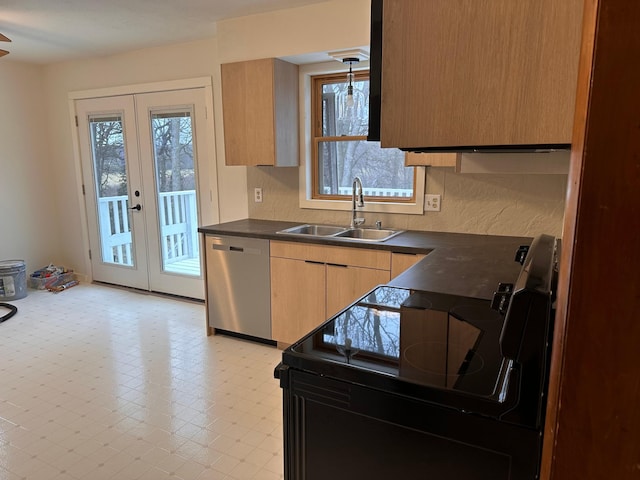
(573, 191)
(316, 131)
(413, 159)
(593, 425)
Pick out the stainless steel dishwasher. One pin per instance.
(238, 285)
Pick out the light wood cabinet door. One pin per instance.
(311, 282)
(358, 257)
(345, 284)
(479, 72)
(297, 298)
(431, 159)
(260, 112)
(403, 261)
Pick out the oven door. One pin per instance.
(343, 431)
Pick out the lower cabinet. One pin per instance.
(348, 283)
(310, 283)
(403, 261)
(297, 297)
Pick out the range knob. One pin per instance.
(502, 297)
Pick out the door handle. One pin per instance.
(138, 207)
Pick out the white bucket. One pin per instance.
(13, 280)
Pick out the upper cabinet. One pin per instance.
(439, 159)
(476, 74)
(260, 112)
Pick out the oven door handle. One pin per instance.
(281, 372)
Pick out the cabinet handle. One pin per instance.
(338, 265)
(313, 262)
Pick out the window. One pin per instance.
(341, 152)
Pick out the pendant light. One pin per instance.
(3, 39)
(350, 79)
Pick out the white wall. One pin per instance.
(28, 195)
(182, 61)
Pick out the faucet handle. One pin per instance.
(358, 221)
(378, 224)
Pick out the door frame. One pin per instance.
(209, 202)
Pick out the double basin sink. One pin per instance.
(359, 234)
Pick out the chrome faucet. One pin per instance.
(356, 192)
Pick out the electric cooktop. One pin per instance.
(440, 341)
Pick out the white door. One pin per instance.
(142, 177)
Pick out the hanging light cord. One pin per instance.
(350, 77)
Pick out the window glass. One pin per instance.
(381, 170)
(341, 151)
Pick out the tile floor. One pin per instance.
(101, 383)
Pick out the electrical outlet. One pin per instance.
(432, 203)
(257, 195)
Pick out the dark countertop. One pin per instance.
(457, 263)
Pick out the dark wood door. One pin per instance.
(593, 421)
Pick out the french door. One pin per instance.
(144, 166)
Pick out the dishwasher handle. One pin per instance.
(232, 248)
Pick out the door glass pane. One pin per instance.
(110, 170)
(174, 161)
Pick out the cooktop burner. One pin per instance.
(441, 341)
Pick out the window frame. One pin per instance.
(305, 185)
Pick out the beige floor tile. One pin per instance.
(103, 383)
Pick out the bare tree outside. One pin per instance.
(109, 156)
(173, 144)
(340, 160)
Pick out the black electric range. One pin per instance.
(420, 384)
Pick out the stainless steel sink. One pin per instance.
(360, 234)
(314, 230)
(368, 234)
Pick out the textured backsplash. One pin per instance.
(509, 204)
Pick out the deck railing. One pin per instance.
(177, 212)
(376, 192)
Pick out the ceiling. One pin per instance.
(49, 31)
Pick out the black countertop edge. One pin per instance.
(467, 265)
(411, 241)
